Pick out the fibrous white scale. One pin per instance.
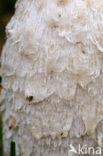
(52, 76)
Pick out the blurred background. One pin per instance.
(6, 11)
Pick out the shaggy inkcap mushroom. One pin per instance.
(52, 77)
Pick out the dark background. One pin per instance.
(6, 11)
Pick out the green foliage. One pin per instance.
(12, 149)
